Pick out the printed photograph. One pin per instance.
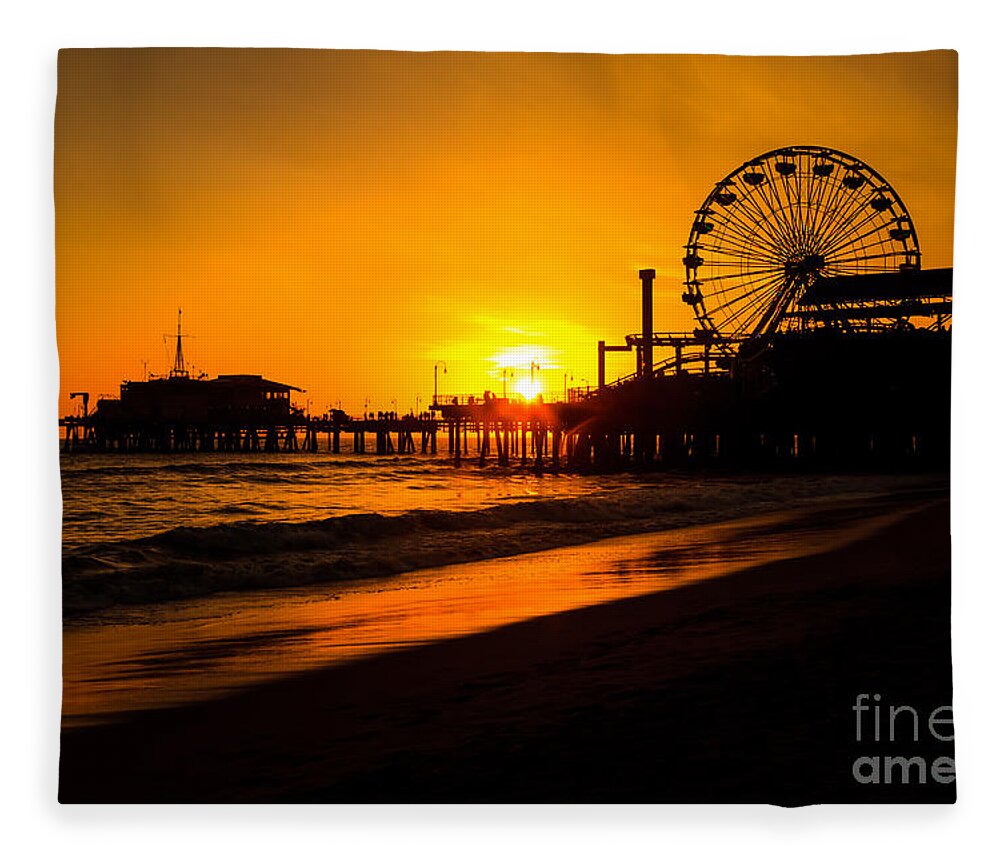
(458, 427)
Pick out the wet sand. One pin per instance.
(119, 661)
(736, 688)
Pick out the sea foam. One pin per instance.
(188, 562)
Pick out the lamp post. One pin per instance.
(444, 367)
(535, 366)
(504, 374)
(567, 379)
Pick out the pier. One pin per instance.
(809, 398)
(388, 435)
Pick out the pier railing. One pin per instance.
(456, 400)
(572, 395)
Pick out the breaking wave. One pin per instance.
(188, 562)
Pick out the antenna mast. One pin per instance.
(179, 371)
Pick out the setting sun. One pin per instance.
(529, 388)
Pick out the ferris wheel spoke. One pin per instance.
(733, 264)
(829, 190)
(761, 284)
(793, 200)
(750, 234)
(852, 271)
(885, 217)
(715, 278)
(746, 296)
(854, 227)
(773, 203)
(829, 252)
(891, 260)
(770, 191)
(745, 285)
(861, 269)
(840, 197)
(859, 246)
(731, 257)
(751, 318)
(760, 216)
(806, 217)
(736, 246)
(759, 219)
(729, 248)
(891, 254)
(740, 292)
(843, 225)
(812, 187)
(729, 277)
(755, 234)
(816, 187)
(744, 316)
(798, 197)
(859, 259)
(753, 313)
(841, 207)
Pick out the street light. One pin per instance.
(444, 367)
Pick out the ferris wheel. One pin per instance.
(779, 226)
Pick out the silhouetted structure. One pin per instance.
(818, 340)
(231, 413)
(179, 399)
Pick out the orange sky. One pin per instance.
(340, 220)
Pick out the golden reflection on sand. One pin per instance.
(128, 660)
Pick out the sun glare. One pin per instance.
(529, 388)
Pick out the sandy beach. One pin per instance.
(739, 687)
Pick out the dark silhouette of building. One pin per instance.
(179, 399)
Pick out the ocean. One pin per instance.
(146, 529)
